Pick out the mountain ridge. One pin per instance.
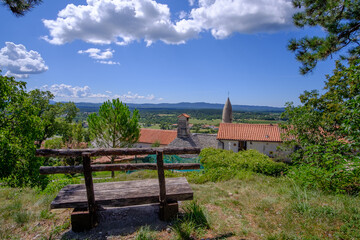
(94, 107)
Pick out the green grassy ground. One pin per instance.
(255, 207)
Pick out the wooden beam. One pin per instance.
(118, 167)
(161, 176)
(89, 188)
(113, 151)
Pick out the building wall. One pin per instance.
(230, 145)
(268, 148)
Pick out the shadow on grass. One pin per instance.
(121, 222)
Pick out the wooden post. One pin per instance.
(89, 188)
(161, 176)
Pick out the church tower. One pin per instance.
(227, 112)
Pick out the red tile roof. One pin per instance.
(152, 135)
(185, 115)
(249, 132)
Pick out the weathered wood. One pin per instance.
(113, 151)
(162, 188)
(161, 176)
(89, 188)
(117, 167)
(125, 193)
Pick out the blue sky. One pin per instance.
(159, 51)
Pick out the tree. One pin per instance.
(339, 19)
(114, 126)
(19, 129)
(327, 130)
(54, 118)
(20, 7)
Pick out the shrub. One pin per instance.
(223, 164)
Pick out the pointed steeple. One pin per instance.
(227, 112)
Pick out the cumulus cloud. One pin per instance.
(96, 53)
(18, 62)
(119, 21)
(75, 93)
(224, 17)
(125, 21)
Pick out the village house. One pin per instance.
(265, 138)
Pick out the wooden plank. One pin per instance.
(113, 151)
(126, 193)
(117, 167)
(89, 188)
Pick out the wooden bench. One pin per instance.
(89, 198)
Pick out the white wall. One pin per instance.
(231, 145)
(268, 148)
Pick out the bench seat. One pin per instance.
(123, 193)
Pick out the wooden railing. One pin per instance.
(87, 168)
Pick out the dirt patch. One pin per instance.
(117, 222)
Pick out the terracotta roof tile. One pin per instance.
(185, 115)
(249, 132)
(152, 135)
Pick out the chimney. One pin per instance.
(183, 130)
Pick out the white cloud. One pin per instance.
(125, 21)
(182, 15)
(96, 53)
(108, 62)
(71, 93)
(224, 17)
(119, 21)
(18, 62)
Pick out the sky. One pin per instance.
(159, 51)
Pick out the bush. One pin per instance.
(223, 164)
(340, 179)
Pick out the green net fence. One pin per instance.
(169, 159)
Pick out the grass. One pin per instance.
(252, 207)
(25, 214)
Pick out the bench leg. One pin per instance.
(168, 211)
(82, 220)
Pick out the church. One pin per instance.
(264, 138)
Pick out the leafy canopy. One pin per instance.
(327, 130)
(339, 19)
(114, 126)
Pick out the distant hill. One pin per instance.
(94, 107)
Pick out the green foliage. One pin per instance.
(195, 213)
(114, 126)
(145, 233)
(19, 129)
(54, 143)
(326, 130)
(58, 183)
(223, 165)
(20, 7)
(340, 23)
(156, 144)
